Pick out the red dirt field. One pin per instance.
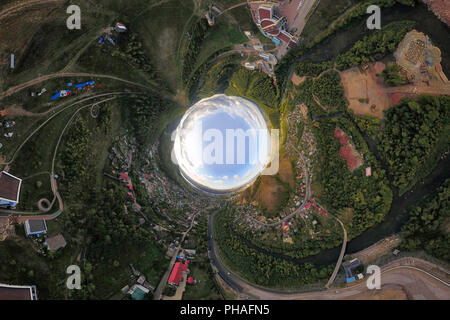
(348, 151)
(345, 152)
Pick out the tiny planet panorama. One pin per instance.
(222, 144)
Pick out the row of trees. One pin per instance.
(260, 268)
(216, 79)
(330, 91)
(255, 85)
(412, 132)
(309, 68)
(392, 76)
(428, 225)
(130, 49)
(284, 66)
(143, 114)
(197, 34)
(375, 46)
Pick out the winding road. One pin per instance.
(406, 273)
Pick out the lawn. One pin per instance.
(205, 288)
(325, 13)
(160, 29)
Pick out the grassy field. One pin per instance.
(162, 27)
(205, 288)
(325, 13)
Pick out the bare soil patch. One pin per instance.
(366, 85)
(286, 172)
(296, 80)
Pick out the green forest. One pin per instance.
(259, 268)
(330, 91)
(429, 225)
(416, 133)
(375, 46)
(309, 68)
(255, 85)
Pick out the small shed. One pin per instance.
(55, 242)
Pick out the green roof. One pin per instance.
(138, 294)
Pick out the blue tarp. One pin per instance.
(81, 85)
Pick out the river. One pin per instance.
(426, 22)
(398, 214)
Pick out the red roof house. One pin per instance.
(190, 280)
(176, 274)
(124, 176)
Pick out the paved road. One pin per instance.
(341, 256)
(418, 278)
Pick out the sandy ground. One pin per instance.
(375, 251)
(269, 193)
(296, 80)
(366, 85)
(286, 172)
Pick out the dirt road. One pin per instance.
(33, 82)
(22, 5)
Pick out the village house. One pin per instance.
(35, 228)
(55, 242)
(13, 292)
(9, 190)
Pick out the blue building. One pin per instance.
(348, 266)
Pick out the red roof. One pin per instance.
(176, 274)
(190, 280)
(264, 13)
(272, 30)
(284, 37)
(123, 176)
(266, 23)
(292, 44)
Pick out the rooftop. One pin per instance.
(35, 226)
(9, 187)
(11, 292)
(56, 242)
